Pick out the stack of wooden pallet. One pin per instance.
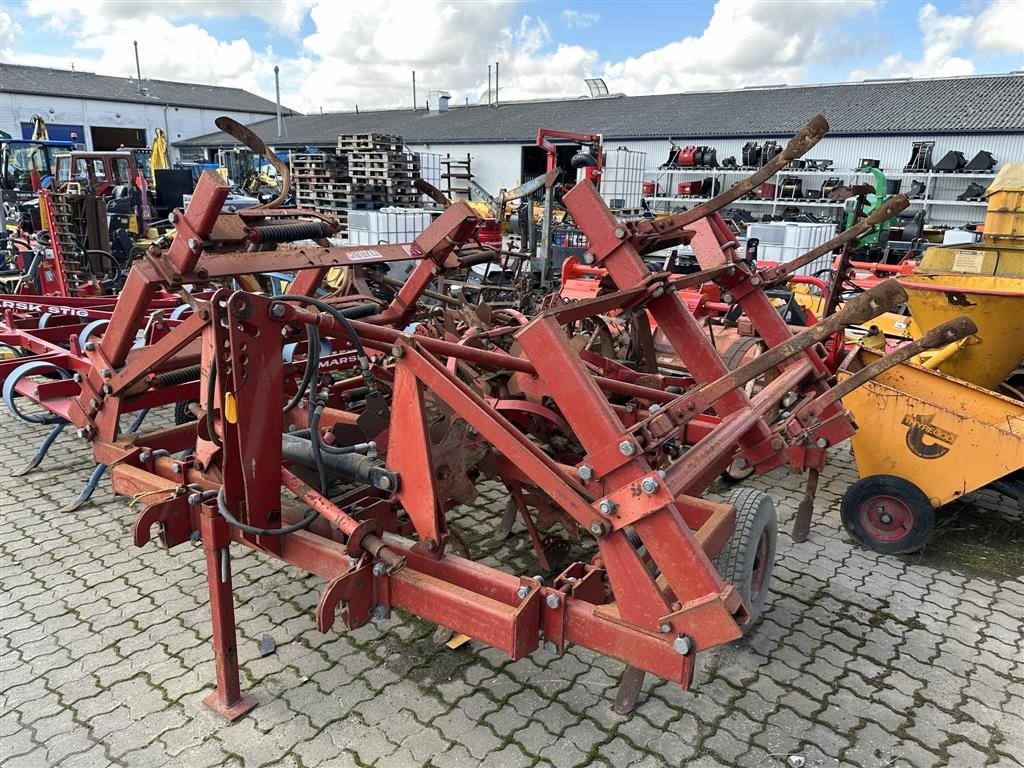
(380, 162)
(322, 182)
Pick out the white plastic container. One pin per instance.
(785, 240)
(622, 178)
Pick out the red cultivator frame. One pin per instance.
(619, 455)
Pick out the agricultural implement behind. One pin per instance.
(414, 411)
(933, 432)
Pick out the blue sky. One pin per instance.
(335, 54)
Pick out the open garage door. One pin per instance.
(108, 139)
(535, 161)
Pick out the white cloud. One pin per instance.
(744, 43)
(9, 31)
(1000, 27)
(941, 37)
(368, 59)
(345, 58)
(103, 37)
(284, 15)
(579, 19)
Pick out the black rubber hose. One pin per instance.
(315, 442)
(312, 364)
(211, 388)
(334, 312)
(302, 524)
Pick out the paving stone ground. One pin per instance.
(860, 660)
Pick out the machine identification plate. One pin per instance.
(968, 261)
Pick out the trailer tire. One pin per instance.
(182, 414)
(748, 557)
(888, 514)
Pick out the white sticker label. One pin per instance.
(968, 261)
(364, 255)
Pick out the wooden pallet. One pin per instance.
(368, 141)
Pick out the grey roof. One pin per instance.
(993, 103)
(16, 78)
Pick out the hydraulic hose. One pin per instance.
(343, 319)
(302, 524)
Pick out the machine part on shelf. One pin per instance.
(710, 187)
(868, 162)
(819, 165)
(951, 162)
(920, 157)
(983, 162)
(686, 157)
(689, 188)
(751, 155)
(730, 162)
(769, 151)
(830, 185)
(974, 191)
(671, 163)
(765, 191)
(708, 157)
(917, 189)
(791, 188)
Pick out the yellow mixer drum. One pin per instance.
(994, 303)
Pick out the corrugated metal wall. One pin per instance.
(498, 165)
(494, 165)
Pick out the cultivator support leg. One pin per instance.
(628, 692)
(227, 700)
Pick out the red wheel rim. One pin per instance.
(886, 518)
(760, 570)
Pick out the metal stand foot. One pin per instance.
(630, 684)
(227, 699)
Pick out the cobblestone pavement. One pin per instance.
(861, 659)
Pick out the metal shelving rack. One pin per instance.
(927, 200)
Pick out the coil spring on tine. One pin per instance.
(285, 233)
(180, 376)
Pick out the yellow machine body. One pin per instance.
(946, 436)
(994, 303)
(1004, 218)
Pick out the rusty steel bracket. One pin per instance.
(355, 590)
(174, 516)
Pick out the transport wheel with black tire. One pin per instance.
(182, 414)
(888, 514)
(748, 557)
(740, 352)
